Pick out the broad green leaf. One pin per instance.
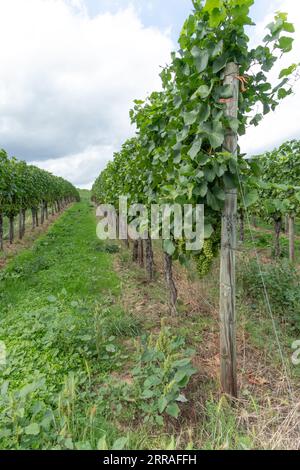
(147, 394)
(204, 112)
(288, 71)
(289, 27)
(210, 5)
(177, 101)
(190, 117)
(212, 201)
(220, 63)
(209, 174)
(219, 193)
(169, 247)
(218, 48)
(229, 181)
(162, 404)
(201, 190)
(33, 429)
(285, 43)
(251, 197)
(159, 420)
(216, 137)
(201, 58)
(234, 124)
(216, 17)
(195, 149)
(182, 135)
(283, 93)
(177, 157)
(203, 91)
(151, 381)
(173, 410)
(182, 376)
(203, 159)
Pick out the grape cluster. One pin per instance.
(209, 251)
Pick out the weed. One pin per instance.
(221, 431)
(161, 370)
(282, 281)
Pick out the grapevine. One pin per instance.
(177, 155)
(24, 187)
(277, 200)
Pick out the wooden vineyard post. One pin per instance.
(228, 247)
(291, 232)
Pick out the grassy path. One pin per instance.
(48, 299)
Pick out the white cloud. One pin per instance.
(68, 81)
(81, 168)
(283, 124)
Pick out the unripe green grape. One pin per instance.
(209, 251)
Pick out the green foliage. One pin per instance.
(121, 325)
(119, 444)
(24, 186)
(282, 282)
(279, 188)
(164, 369)
(50, 297)
(111, 248)
(161, 370)
(63, 327)
(177, 155)
(221, 429)
(24, 418)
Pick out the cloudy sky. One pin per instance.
(70, 70)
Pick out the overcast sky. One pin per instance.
(70, 70)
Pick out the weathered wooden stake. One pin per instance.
(286, 224)
(33, 217)
(149, 258)
(23, 221)
(141, 252)
(20, 224)
(135, 251)
(11, 229)
(228, 246)
(278, 228)
(168, 265)
(292, 238)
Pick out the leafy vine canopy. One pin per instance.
(279, 187)
(178, 154)
(24, 186)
